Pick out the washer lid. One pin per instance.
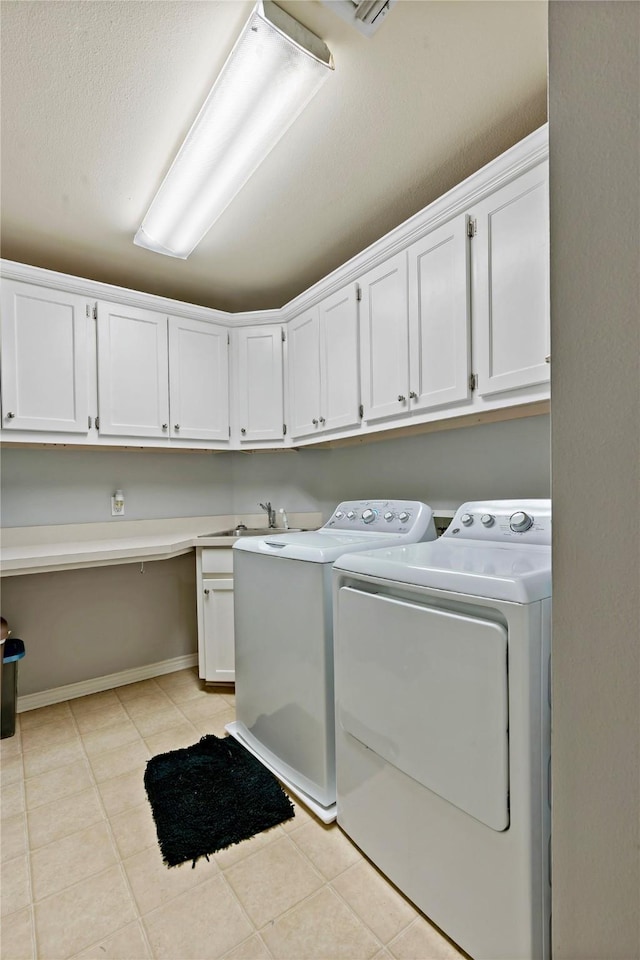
(502, 571)
(316, 546)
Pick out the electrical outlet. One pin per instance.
(117, 504)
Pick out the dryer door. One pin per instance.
(427, 690)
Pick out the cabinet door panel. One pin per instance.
(198, 380)
(511, 285)
(44, 359)
(304, 374)
(133, 384)
(219, 653)
(340, 368)
(260, 388)
(439, 317)
(385, 339)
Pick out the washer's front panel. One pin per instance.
(284, 664)
(427, 690)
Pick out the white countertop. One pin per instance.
(72, 546)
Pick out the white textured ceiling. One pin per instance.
(97, 97)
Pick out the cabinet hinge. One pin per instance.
(473, 381)
(361, 411)
(284, 429)
(283, 334)
(229, 431)
(97, 423)
(472, 226)
(228, 339)
(89, 425)
(92, 311)
(358, 292)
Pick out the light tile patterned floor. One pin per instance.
(82, 875)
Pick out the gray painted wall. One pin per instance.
(54, 486)
(82, 624)
(595, 297)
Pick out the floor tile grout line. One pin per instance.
(119, 862)
(329, 884)
(254, 927)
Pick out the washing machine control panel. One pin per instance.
(513, 521)
(409, 518)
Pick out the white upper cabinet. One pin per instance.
(133, 371)
(303, 361)
(439, 331)
(44, 359)
(260, 388)
(198, 380)
(323, 366)
(510, 286)
(161, 376)
(384, 332)
(339, 361)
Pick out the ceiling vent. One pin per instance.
(365, 15)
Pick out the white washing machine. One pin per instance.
(442, 673)
(285, 712)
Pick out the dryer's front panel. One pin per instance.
(427, 690)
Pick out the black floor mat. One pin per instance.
(209, 796)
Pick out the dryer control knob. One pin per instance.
(339, 514)
(466, 519)
(520, 521)
(487, 520)
(403, 517)
(351, 515)
(388, 516)
(369, 516)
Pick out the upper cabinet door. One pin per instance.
(439, 317)
(339, 361)
(260, 383)
(510, 285)
(133, 372)
(304, 374)
(44, 359)
(385, 339)
(198, 380)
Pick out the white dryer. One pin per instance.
(442, 674)
(284, 639)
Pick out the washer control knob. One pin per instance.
(369, 515)
(403, 517)
(520, 521)
(388, 516)
(487, 520)
(339, 514)
(351, 515)
(466, 519)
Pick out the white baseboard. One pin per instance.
(70, 691)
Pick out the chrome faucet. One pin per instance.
(270, 513)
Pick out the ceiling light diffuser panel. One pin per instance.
(273, 71)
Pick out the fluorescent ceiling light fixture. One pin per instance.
(273, 71)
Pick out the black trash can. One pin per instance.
(12, 651)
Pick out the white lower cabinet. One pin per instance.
(216, 649)
(45, 369)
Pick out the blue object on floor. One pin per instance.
(12, 651)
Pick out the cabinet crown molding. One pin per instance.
(512, 163)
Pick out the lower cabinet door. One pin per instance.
(217, 632)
